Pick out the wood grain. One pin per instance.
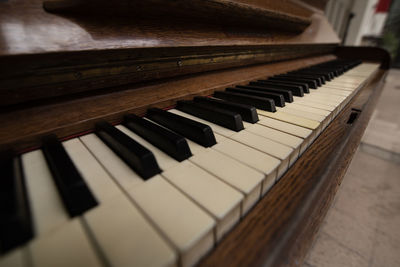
(280, 228)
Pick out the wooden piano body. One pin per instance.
(64, 70)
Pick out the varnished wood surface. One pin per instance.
(216, 12)
(27, 29)
(22, 126)
(281, 227)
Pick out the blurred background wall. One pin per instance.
(368, 23)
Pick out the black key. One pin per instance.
(303, 85)
(248, 113)
(169, 142)
(198, 132)
(278, 98)
(327, 75)
(295, 89)
(318, 78)
(256, 101)
(224, 118)
(311, 82)
(74, 192)
(16, 221)
(136, 156)
(287, 94)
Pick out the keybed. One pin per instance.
(164, 190)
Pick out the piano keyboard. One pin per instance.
(163, 190)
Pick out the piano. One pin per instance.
(174, 133)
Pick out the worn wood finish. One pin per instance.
(22, 126)
(28, 29)
(280, 228)
(220, 12)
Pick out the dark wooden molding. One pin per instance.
(220, 12)
(26, 78)
(280, 229)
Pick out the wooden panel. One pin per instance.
(22, 126)
(217, 12)
(281, 227)
(27, 29)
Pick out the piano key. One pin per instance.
(216, 197)
(334, 91)
(320, 80)
(286, 93)
(278, 136)
(67, 246)
(304, 86)
(277, 150)
(306, 134)
(251, 157)
(310, 109)
(193, 130)
(179, 219)
(316, 104)
(116, 167)
(311, 83)
(216, 128)
(165, 161)
(98, 180)
(48, 212)
(76, 196)
(304, 114)
(296, 90)
(243, 178)
(139, 158)
(327, 75)
(293, 119)
(227, 119)
(278, 99)
(16, 221)
(258, 102)
(169, 142)
(248, 113)
(126, 238)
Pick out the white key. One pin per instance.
(48, 211)
(306, 134)
(68, 246)
(277, 136)
(100, 183)
(302, 113)
(195, 148)
(215, 196)
(126, 238)
(184, 224)
(121, 172)
(164, 161)
(315, 104)
(293, 119)
(253, 158)
(334, 91)
(321, 112)
(282, 152)
(14, 258)
(240, 176)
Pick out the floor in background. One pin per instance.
(362, 228)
